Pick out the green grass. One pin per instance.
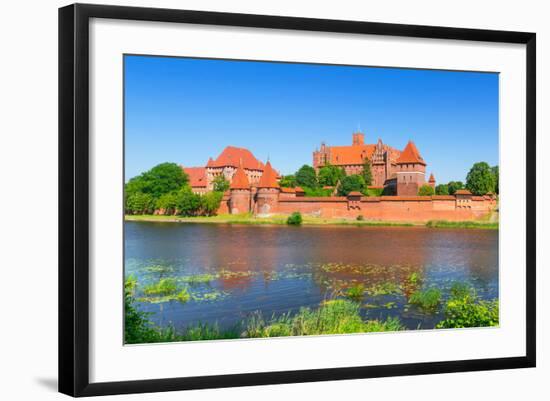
(248, 219)
(165, 286)
(356, 292)
(462, 224)
(427, 300)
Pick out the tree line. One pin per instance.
(481, 179)
(166, 187)
(314, 183)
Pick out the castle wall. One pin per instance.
(388, 208)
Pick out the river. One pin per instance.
(233, 271)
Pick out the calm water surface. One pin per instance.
(279, 269)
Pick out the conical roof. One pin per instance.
(410, 155)
(268, 178)
(240, 180)
(432, 178)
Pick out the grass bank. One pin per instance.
(462, 224)
(248, 219)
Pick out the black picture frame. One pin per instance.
(74, 198)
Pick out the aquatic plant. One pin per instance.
(466, 309)
(159, 269)
(414, 278)
(183, 296)
(355, 292)
(199, 278)
(428, 299)
(385, 288)
(165, 286)
(294, 219)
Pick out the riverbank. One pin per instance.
(247, 219)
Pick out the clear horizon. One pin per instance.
(186, 110)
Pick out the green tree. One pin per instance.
(210, 203)
(188, 203)
(454, 186)
(220, 184)
(350, 183)
(167, 202)
(442, 189)
(495, 172)
(140, 203)
(330, 175)
(367, 172)
(426, 190)
(306, 177)
(161, 179)
(288, 181)
(480, 179)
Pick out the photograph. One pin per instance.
(281, 199)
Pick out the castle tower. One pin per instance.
(358, 138)
(411, 171)
(267, 197)
(240, 193)
(431, 181)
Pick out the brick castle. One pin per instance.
(254, 186)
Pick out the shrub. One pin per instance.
(470, 312)
(350, 183)
(220, 184)
(427, 300)
(210, 203)
(356, 292)
(306, 177)
(294, 219)
(480, 179)
(442, 189)
(188, 203)
(167, 202)
(140, 203)
(360, 218)
(165, 286)
(426, 190)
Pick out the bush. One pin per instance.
(454, 186)
(140, 203)
(442, 189)
(350, 183)
(470, 312)
(428, 299)
(426, 190)
(330, 175)
(356, 292)
(167, 202)
(480, 179)
(360, 218)
(306, 177)
(317, 192)
(220, 184)
(294, 219)
(210, 203)
(188, 203)
(287, 181)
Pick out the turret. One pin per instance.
(358, 138)
(431, 181)
(411, 171)
(240, 192)
(267, 197)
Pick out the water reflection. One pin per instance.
(276, 269)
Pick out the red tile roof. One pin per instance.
(299, 189)
(197, 176)
(240, 180)
(288, 190)
(463, 192)
(233, 156)
(268, 178)
(355, 193)
(410, 155)
(354, 154)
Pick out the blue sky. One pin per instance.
(185, 110)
